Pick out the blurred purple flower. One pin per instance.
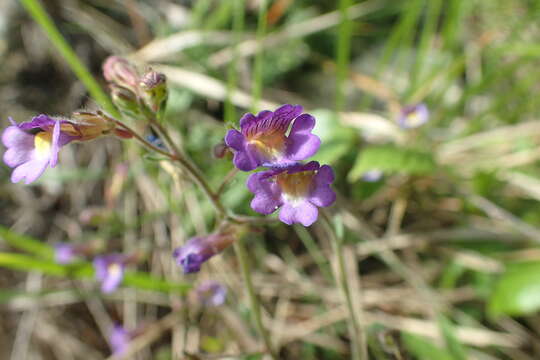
(34, 145)
(372, 175)
(211, 293)
(109, 271)
(263, 140)
(413, 116)
(298, 190)
(119, 339)
(201, 248)
(65, 253)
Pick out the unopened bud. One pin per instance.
(221, 150)
(125, 100)
(153, 86)
(201, 248)
(119, 71)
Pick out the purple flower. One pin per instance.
(34, 145)
(65, 253)
(298, 190)
(110, 271)
(211, 293)
(119, 339)
(372, 175)
(263, 140)
(413, 116)
(201, 248)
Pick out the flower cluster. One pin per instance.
(133, 94)
(279, 140)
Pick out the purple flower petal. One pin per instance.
(119, 339)
(302, 144)
(322, 194)
(297, 189)
(20, 146)
(41, 121)
(64, 253)
(235, 140)
(29, 171)
(55, 148)
(413, 116)
(211, 293)
(304, 213)
(109, 270)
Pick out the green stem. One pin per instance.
(242, 256)
(40, 16)
(343, 53)
(194, 172)
(259, 57)
(356, 331)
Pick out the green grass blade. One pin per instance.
(238, 27)
(258, 67)
(343, 52)
(81, 270)
(26, 243)
(38, 13)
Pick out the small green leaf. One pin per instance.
(453, 345)
(392, 159)
(81, 269)
(26, 243)
(518, 290)
(423, 349)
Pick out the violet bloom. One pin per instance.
(263, 139)
(201, 248)
(413, 116)
(211, 293)
(109, 271)
(65, 253)
(298, 190)
(119, 339)
(34, 145)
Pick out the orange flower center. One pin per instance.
(271, 145)
(297, 185)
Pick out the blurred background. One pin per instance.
(440, 219)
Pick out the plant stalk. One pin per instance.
(356, 330)
(242, 256)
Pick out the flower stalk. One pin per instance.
(356, 331)
(242, 256)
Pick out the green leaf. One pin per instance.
(392, 159)
(80, 270)
(453, 345)
(26, 243)
(423, 349)
(518, 290)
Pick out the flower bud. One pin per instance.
(201, 248)
(221, 150)
(125, 100)
(119, 71)
(153, 87)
